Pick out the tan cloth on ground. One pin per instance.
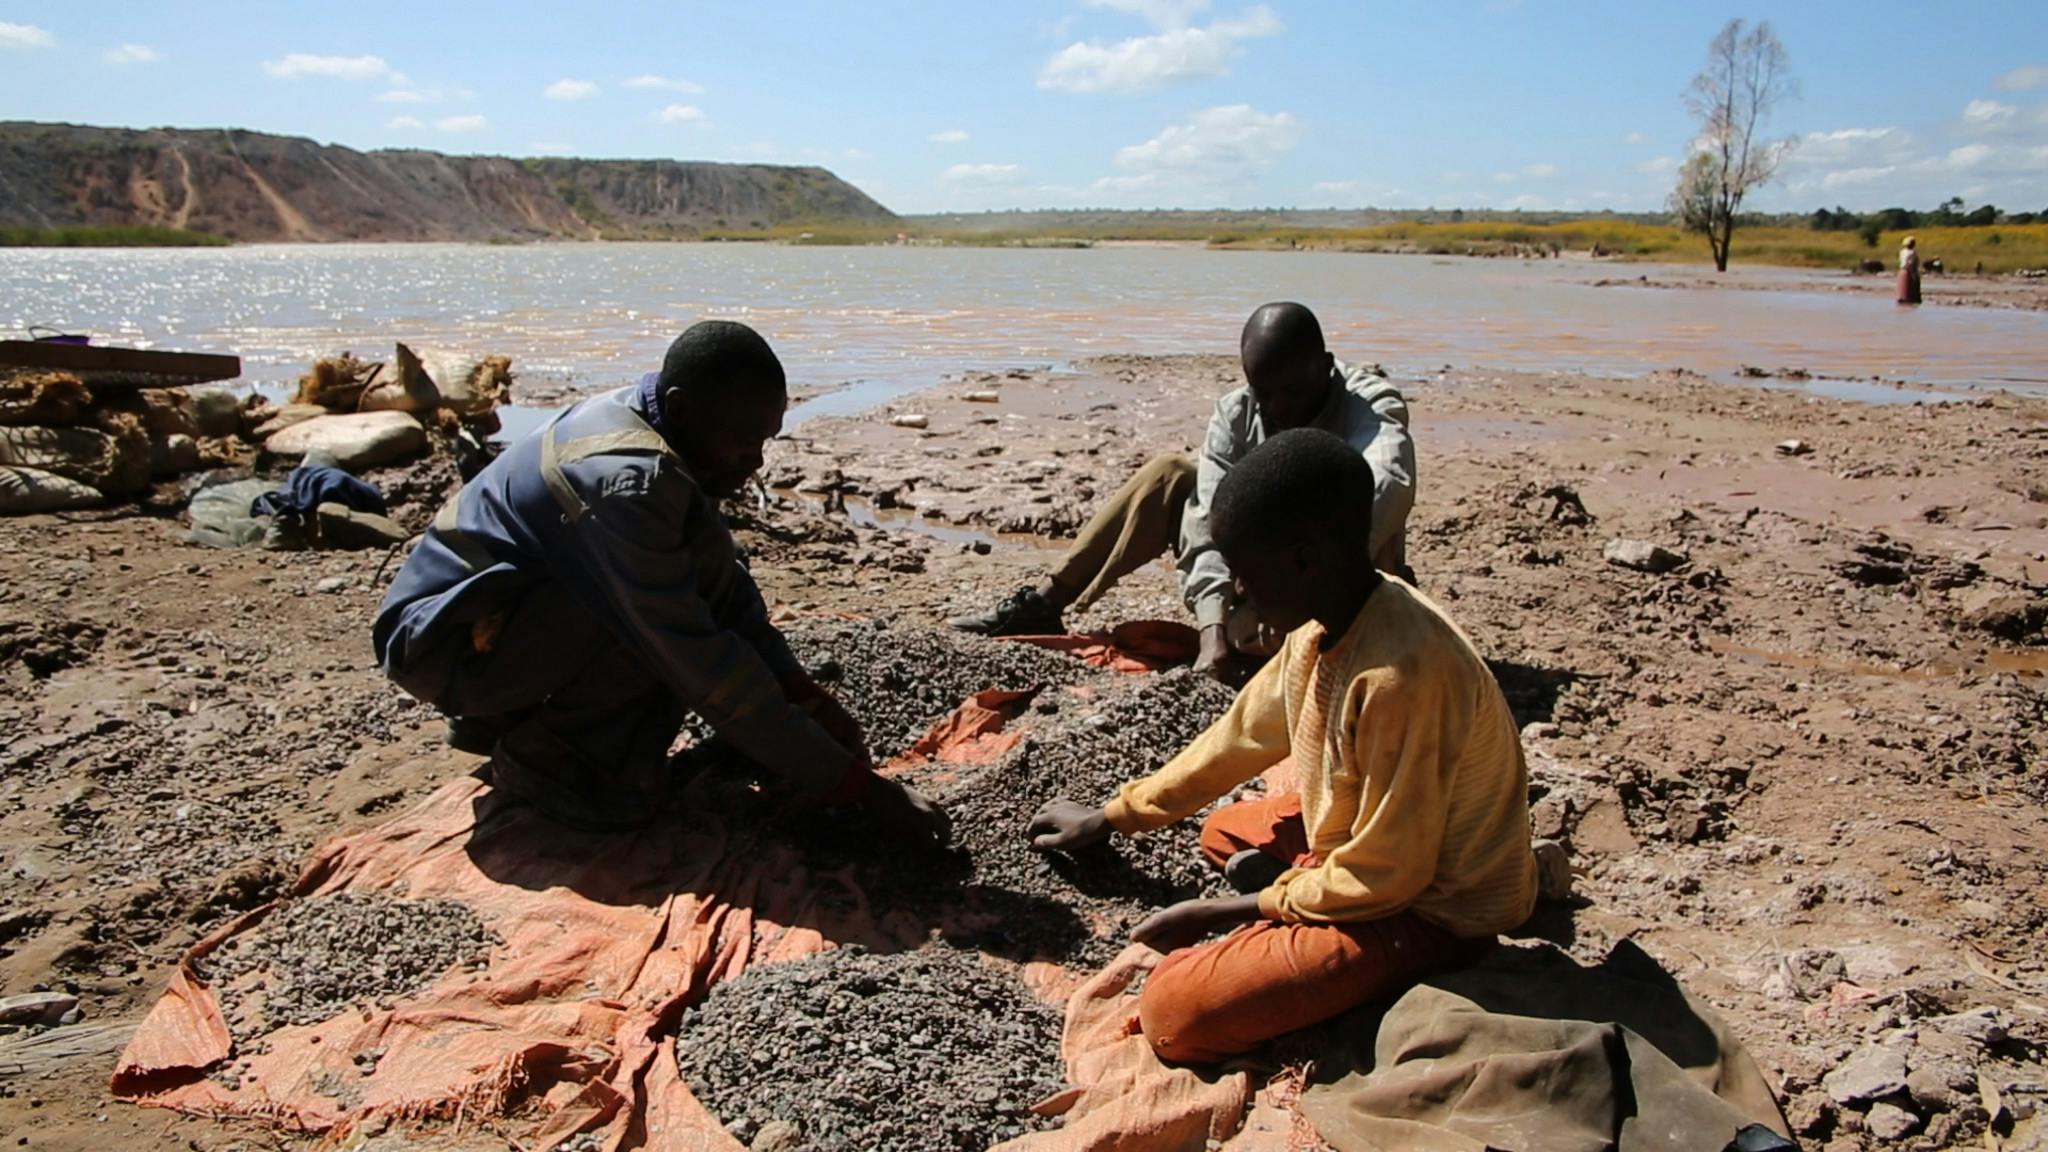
(1414, 792)
(1529, 1052)
(1526, 1051)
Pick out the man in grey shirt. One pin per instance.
(1291, 381)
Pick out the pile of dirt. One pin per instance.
(992, 890)
(317, 957)
(1127, 728)
(935, 1049)
(898, 680)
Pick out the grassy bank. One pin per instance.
(121, 237)
(1999, 248)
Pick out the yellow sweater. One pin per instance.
(1413, 788)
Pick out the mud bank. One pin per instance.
(1805, 769)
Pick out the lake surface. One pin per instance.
(890, 320)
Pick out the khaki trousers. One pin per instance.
(1136, 526)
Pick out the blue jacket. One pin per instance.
(598, 506)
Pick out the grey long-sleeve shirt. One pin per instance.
(1365, 409)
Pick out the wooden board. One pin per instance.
(119, 367)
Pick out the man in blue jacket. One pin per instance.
(572, 603)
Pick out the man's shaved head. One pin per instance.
(1280, 331)
(719, 358)
(722, 395)
(1286, 364)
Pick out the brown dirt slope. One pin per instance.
(255, 187)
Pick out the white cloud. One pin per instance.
(2024, 79)
(406, 123)
(663, 83)
(983, 175)
(855, 154)
(1658, 166)
(570, 90)
(1969, 155)
(1985, 113)
(133, 54)
(416, 95)
(680, 114)
(1217, 151)
(1160, 13)
(1849, 177)
(949, 136)
(25, 36)
(298, 64)
(1527, 172)
(1635, 138)
(462, 124)
(1168, 57)
(1334, 188)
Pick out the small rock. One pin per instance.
(777, 1136)
(37, 1008)
(1539, 730)
(983, 397)
(1644, 556)
(1930, 1088)
(332, 584)
(1890, 1122)
(1870, 1074)
(911, 420)
(1810, 1112)
(1794, 448)
(1985, 1026)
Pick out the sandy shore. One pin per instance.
(1794, 766)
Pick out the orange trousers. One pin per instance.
(1267, 978)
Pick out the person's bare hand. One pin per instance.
(1190, 921)
(1064, 825)
(903, 811)
(837, 722)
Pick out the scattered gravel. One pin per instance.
(935, 1049)
(1085, 752)
(899, 680)
(1022, 903)
(315, 958)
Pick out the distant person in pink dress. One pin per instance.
(1909, 272)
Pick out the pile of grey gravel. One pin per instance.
(898, 680)
(1085, 751)
(851, 1050)
(318, 957)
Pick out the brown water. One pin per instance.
(889, 320)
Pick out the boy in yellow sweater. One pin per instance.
(1405, 850)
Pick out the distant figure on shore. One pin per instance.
(1909, 272)
(581, 596)
(1291, 381)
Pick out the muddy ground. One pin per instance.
(1798, 770)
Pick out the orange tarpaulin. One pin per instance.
(603, 940)
(606, 937)
(1139, 646)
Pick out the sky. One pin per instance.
(1089, 103)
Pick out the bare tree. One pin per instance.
(1746, 76)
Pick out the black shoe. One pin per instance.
(1252, 871)
(1023, 613)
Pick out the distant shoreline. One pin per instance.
(1995, 251)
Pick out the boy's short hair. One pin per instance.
(1299, 485)
(720, 358)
